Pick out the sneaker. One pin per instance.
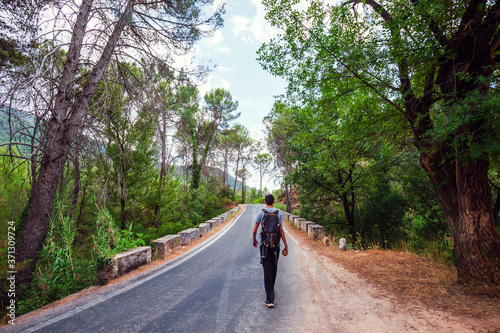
(269, 304)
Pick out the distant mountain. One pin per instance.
(18, 129)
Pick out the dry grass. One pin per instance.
(409, 277)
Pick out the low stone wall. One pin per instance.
(125, 262)
(297, 222)
(304, 224)
(204, 228)
(189, 236)
(166, 244)
(316, 231)
(212, 223)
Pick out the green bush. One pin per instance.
(59, 271)
(382, 217)
(259, 201)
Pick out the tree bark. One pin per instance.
(349, 214)
(464, 194)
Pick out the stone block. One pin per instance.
(316, 231)
(212, 223)
(166, 244)
(125, 262)
(342, 244)
(204, 228)
(326, 241)
(296, 221)
(190, 235)
(218, 220)
(304, 224)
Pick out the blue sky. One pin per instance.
(233, 49)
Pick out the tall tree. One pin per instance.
(278, 132)
(240, 141)
(225, 144)
(262, 161)
(198, 126)
(435, 63)
(174, 25)
(246, 159)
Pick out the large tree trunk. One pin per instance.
(349, 213)
(62, 130)
(464, 193)
(56, 150)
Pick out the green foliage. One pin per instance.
(61, 270)
(109, 240)
(14, 186)
(259, 201)
(279, 206)
(382, 217)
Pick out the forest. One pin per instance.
(387, 134)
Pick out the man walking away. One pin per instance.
(271, 222)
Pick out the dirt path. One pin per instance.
(345, 302)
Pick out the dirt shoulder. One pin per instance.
(416, 290)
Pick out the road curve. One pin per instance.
(217, 286)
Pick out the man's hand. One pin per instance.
(254, 234)
(285, 251)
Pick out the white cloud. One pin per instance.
(225, 84)
(213, 81)
(255, 29)
(257, 132)
(224, 69)
(224, 50)
(214, 40)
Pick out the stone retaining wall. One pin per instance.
(304, 224)
(204, 228)
(315, 231)
(189, 235)
(166, 244)
(125, 262)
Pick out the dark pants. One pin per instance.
(270, 265)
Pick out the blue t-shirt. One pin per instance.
(260, 217)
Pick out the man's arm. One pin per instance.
(284, 240)
(255, 243)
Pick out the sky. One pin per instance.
(233, 49)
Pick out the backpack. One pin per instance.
(271, 232)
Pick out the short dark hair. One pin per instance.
(269, 199)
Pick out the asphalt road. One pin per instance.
(217, 286)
